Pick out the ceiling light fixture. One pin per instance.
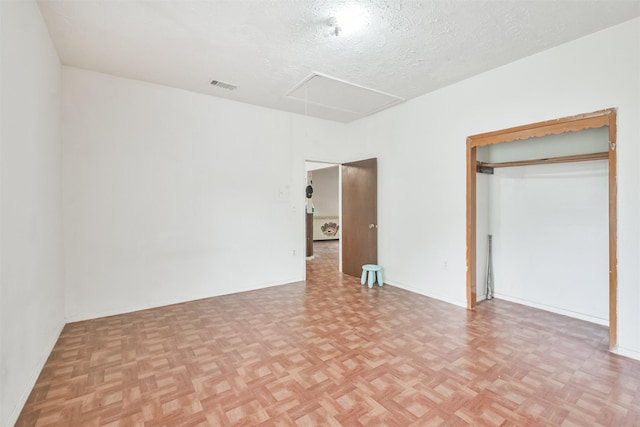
(335, 28)
(348, 20)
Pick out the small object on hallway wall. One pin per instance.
(309, 191)
(330, 229)
(321, 220)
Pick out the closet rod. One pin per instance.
(561, 159)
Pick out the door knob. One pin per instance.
(371, 225)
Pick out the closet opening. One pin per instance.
(595, 150)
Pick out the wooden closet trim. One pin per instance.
(596, 119)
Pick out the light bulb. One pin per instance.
(350, 19)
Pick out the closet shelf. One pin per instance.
(484, 167)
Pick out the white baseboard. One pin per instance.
(15, 413)
(78, 317)
(627, 352)
(439, 297)
(568, 313)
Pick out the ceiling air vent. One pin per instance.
(224, 85)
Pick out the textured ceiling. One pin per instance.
(268, 47)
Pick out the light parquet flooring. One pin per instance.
(332, 352)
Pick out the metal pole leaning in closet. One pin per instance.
(489, 277)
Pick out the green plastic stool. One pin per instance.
(375, 273)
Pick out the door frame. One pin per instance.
(594, 120)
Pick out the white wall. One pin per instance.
(31, 289)
(172, 196)
(325, 191)
(421, 149)
(550, 231)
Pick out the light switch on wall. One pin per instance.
(283, 193)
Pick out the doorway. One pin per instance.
(595, 120)
(322, 217)
(356, 225)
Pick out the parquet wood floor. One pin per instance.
(332, 352)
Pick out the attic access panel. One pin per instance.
(329, 92)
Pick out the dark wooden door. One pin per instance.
(359, 215)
